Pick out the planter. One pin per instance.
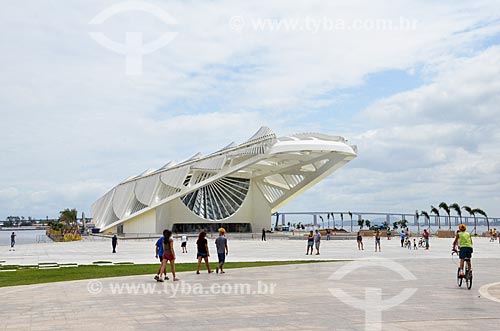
(446, 234)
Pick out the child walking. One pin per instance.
(377, 240)
(222, 250)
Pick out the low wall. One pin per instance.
(446, 233)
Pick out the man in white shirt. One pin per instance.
(184, 240)
(317, 241)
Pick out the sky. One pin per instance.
(414, 84)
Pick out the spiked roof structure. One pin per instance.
(213, 187)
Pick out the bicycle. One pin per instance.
(467, 274)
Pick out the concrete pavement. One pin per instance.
(142, 251)
(401, 289)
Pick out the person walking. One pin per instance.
(310, 242)
(317, 241)
(426, 238)
(168, 256)
(388, 233)
(184, 240)
(114, 243)
(13, 240)
(203, 252)
(159, 253)
(222, 250)
(263, 234)
(359, 238)
(402, 237)
(377, 240)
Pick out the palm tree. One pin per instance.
(342, 219)
(471, 213)
(403, 223)
(367, 222)
(395, 225)
(333, 219)
(427, 218)
(446, 208)
(435, 211)
(361, 223)
(456, 208)
(68, 216)
(322, 221)
(481, 212)
(350, 215)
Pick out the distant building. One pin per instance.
(237, 187)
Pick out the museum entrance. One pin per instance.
(211, 227)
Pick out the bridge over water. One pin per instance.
(349, 219)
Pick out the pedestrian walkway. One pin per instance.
(293, 297)
(143, 251)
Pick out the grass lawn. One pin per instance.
(38, 276)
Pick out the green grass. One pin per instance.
(38, 276)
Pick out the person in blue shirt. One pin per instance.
(402, 236)
(159, 255)
(222, 250)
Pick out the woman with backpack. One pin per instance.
(168, 256)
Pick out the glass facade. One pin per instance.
(219, 199)
(210, 227)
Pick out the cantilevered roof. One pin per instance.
(214, 186)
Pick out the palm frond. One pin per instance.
(468, 209)
(456, 208)
(434, 211)
(479, 211)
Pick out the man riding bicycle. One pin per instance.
(464, 239)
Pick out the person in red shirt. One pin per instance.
(426, 238)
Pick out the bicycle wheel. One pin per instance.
(468, 279)
(459, 279)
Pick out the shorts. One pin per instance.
(168, 257)
(465, 253)
(203, 255)
(160, 257)
(377, 240)
(317, 244)
(310, 243)
(222, 258)
(183, 244)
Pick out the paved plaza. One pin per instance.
(397, 289)
(274, 249)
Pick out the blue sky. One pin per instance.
(420, 101)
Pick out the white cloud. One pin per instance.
(435, 143)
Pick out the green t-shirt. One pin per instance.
(464, 239)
